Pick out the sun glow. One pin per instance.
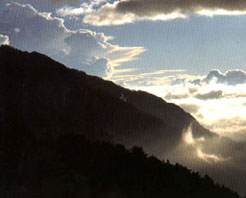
(188, 137)
(209, 158)
(197, 144)
(219, 107)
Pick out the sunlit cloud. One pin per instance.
(188, 137)
(217, 100)
(70, 11)
(85, 7)
(222, 111)
(145, 76)
(218, 12)
(210, 158)
(107, 15)
(118, 55)
(198, 144)
(4, 40)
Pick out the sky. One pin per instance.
(191, 53)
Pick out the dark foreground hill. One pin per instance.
(71, 166)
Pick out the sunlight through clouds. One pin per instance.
(197, 144)
(208, 157)
(217, 100)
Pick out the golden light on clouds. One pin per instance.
(209, 158)
(197, 144)
(188, 137)
(218, 102)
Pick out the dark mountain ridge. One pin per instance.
(44, 104)
(42, 92)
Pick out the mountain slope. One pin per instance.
(170, 113)
(42, 100)
(47, 95)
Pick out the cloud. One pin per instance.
(210, 95)
(31, 30)
(144, 79)
(216, 100)
(71, 11)
(146, 7)
(128, 11)
(4, 40)
(85, 7)
(231, 77)
(54, 2)
(198, 145)
(61, 2)
(219, 99)
(191, 108)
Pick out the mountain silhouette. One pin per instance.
(50, 115)
(47, 95)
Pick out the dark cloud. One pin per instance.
(193, 90)
(210, 95)
(153, 7)
(191, 108)
(59, 2)
(53, 2)
(230, 77)
(175, 96)
(127, 11)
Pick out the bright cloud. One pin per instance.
(208, 157)
(198, 145)
(85, 7)
(128, 11)
(4, 40)
(217, 100)
(31, 30)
